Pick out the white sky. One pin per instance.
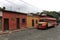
(32, 6)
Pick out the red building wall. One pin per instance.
(12, 19)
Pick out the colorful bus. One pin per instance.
(46, 23)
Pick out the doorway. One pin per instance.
(18, 23)
(33, 23)
(6, 24)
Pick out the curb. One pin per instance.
(13, 31)
(3, 32)
(18, 30)
(7, 32)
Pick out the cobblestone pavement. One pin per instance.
(33, 34)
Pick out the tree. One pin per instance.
(2, 8)
(52, 13)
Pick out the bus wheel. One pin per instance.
(53, 26)
(47, 26)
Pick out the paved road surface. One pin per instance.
(34, 34)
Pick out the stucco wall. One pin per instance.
(29, 21)
(12, 19)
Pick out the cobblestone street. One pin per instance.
(34, 34)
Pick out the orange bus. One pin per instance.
(46, 23)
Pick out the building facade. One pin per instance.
(32, 20)
(10, 20)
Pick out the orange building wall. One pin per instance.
(29, 21)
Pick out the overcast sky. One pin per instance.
(31, 5)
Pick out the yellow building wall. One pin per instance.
(29, 21)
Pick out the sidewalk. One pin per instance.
(3, 32)
(9, 31)
(12, 31)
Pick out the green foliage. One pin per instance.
(52, 13)
(2, 8)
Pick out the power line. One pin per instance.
(10, 2)
(5, 5)
(13, 4)
(20, 5)
(29, 4)
(24, 2)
